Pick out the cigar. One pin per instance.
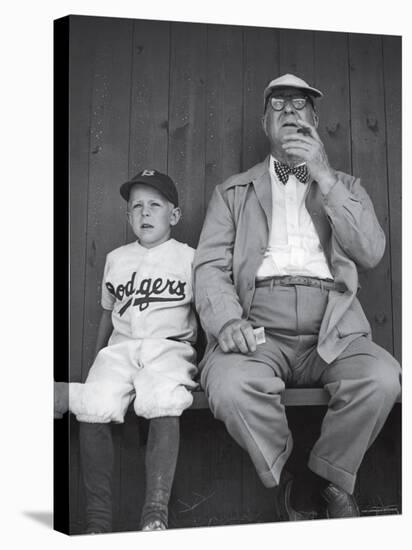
(303, 130)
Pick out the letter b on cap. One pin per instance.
(148, 173)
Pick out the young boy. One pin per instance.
(144, 352)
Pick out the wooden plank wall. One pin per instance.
(187, 99)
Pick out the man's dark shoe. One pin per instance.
(339, 503)
(283, 507)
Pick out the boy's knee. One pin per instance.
(100, 403)
(168, 400)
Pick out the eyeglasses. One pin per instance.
(278, 103)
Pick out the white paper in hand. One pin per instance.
(259, 335)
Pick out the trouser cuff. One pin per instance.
(336, 475)
(270, 478)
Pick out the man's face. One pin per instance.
(277, 124)
(150, 215)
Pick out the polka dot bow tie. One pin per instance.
(283, 171)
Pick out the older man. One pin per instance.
(280, 249)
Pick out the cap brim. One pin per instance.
(307, 89)
(126, 187)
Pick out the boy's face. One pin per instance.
(150, 215)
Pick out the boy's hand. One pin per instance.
(238, 337)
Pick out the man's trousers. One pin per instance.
(244, 391)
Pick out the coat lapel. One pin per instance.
(263, 190)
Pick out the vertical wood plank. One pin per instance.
(149, 99)
(149, 96)
(369, 163)
(332, 78)
(392, 60)
(224, 100)
(132, 474)
(297, 53)
(379, 483)
(261, 65)
(305, 425)
(208, 483)
(186, 161)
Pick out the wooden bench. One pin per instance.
(291, 397)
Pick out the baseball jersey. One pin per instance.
(150, 292)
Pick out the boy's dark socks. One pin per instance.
(96, 450)
(161, 457)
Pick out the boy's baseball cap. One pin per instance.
(163, 183)
(289, 81)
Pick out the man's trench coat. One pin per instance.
(235, 236)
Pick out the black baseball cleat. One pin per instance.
(339, 503)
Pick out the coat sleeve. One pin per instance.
(354, 223)
(216, 298)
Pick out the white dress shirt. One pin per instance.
(294, 247)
